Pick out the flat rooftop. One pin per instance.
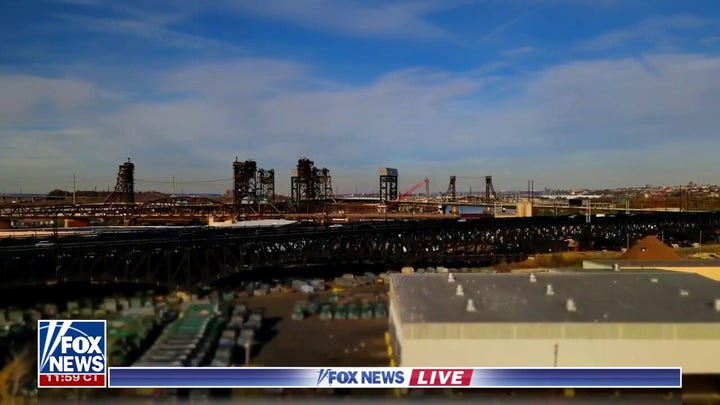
(616, 297)
(658, 263)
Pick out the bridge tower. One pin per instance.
(489, 190)
(265, 184)
(450, 195)
(253, 188)
(323, 184)
(125, 186)
(244, 182)
(301, 182)
(310, 185)
(388, 184)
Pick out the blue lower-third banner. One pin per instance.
(392, 377)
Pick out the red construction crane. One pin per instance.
(413, 189)
(409, 192)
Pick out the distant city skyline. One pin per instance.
(476, 185)
(568, 93)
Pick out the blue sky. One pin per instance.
(569, 93)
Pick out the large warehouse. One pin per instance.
(649, 318)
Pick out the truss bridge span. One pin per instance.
(191, 256)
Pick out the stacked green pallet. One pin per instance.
(125, 334)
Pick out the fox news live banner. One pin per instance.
(72, 354)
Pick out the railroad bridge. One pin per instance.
(192, 256)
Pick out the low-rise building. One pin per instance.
(586, 319)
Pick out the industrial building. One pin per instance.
(603, 319)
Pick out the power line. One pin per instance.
(140, 181)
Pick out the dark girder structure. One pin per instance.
(388, 184)
(203, 256)
(310, 185)
(182, 206)
(265, 184)
(244, 182)
(451, 189)
(124, 192)
(490, 194)
(179, 207)
(253, 188)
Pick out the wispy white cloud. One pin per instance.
(146, 29)
(578, 3)
(655, 30)
(495, 32)
(371, 18)
(363, 18)
(157, 12)
(156, 21)
(252, 78)
(573, 120)
(518, 52)
(24, 98)
(92, 3)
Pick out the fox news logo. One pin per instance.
(71, 354)
(328, 377)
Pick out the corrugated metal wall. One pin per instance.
(695, 356)
(652, 331)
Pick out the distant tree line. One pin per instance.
(79, 193)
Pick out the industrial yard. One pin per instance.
(324, 342)
(340, 320)
(274, 292)
(148, 328)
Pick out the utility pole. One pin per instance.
(248, 346)
(74, 189)
(700, 241)
(528, 193)
(627, 204)
(680, 198)
(588, 214)
(173, 182)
